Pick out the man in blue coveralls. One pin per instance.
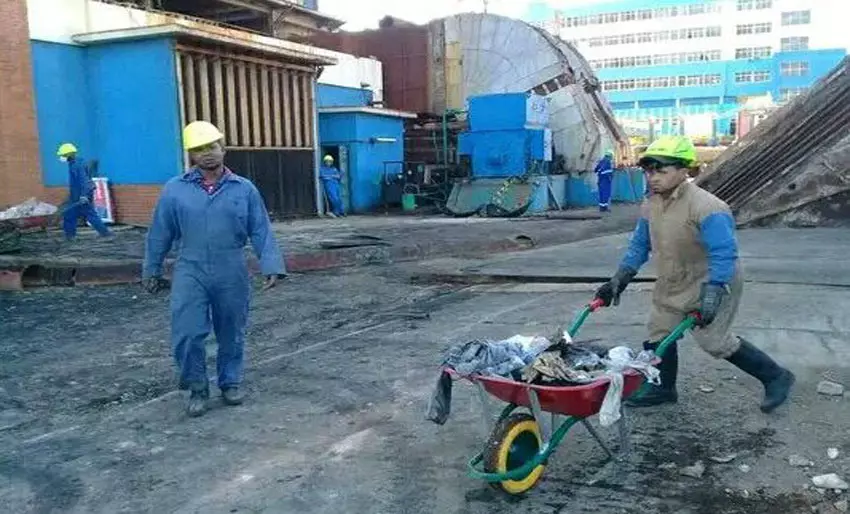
(80, 195)
(330, 176)
(604, 175)
(212, 212)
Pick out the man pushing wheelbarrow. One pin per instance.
(691, 234)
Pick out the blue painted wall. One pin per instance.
(136, 111)
(338, 96)
(365, 159)
(62, 105)
(117, 103)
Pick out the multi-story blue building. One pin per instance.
(688, 66)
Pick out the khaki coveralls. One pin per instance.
(682, 264)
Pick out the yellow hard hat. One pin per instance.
(328, 158)
(668, 150)
(200, 133)
(66, 149)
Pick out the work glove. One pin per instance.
(710, 298)
(611, 290)
(154, 285)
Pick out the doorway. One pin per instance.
(340, 155)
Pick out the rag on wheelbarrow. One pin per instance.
(483, 357)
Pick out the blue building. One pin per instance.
(688, 66)
(367, 143)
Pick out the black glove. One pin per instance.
(611, 290)
(154, 285)
(710, 299)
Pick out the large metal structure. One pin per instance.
(436, 68)
(794, 167)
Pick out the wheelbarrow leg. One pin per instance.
(546, 426)
(623, 430)
(596, 436)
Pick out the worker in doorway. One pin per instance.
(691, 234)
(80, 195)
(331, 181)
(213, 213)
(604, 176)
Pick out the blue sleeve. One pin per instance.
(717, 231)
(161, 236)
(262, 236)
(75, 184)
(639, 247)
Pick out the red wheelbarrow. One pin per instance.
(523, 439)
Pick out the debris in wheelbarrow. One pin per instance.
(536, 360)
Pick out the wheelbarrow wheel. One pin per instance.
(514, 442)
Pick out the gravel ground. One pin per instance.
(340, 368)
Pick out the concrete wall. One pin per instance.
(118, 104)
(19, 162)
(365, 159)
(63, 105)
(136, 111)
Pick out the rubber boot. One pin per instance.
(777, 381)
(668, 370)
(197, 404)
(232, 396)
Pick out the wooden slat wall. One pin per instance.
(257, 103)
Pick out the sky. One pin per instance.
(364, 14)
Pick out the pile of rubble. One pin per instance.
(793, 169)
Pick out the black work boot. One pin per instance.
(232, 395)
(197, 404)
(668, 369)
(777, 381)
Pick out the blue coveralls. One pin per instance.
(604, 175)
(211, 285)
(80, 185)
(330, 177)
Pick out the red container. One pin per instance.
(581, 401)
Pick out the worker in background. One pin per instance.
(213, 213)
(331, 181)
(691, 234)
(80, 195)
(604, 176)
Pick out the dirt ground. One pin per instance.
(341, 366)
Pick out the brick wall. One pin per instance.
(132, 204)
(20, 170)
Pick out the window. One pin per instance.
(712, 32)
(643, 60)
(628, 39)
(794, 44)
(794, 68)
(627, 84)
(759, 52)
(754, 28)
(595, 19)
(749, 5)
(611, 85)
(628, 16)
(761, 76)
(644, 37)
(644, 14)
(786, 94)
(612, 17)
(797, 18)
(660, 82)
(643, 83)
(595, 41)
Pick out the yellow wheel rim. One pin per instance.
(520, 444)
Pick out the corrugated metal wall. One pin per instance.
(257, 103)
(266, 110)
(405, 56)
